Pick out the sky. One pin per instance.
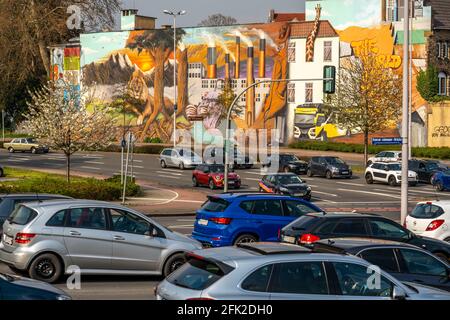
(245, 11)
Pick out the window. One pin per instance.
(297, 208)
(427, 211)
(327, 51)
(299, 278)
(57, 220)
(258, 280)
(385, 229)
(247, 206)
(383, 258)
(291, 93)
(291, 52)
(353, 280)
(215, 205)
(196, 275)
(167, 152)
(353, 227)
(444, 49)
(88, 218)
(308, 92)
(389, 155)
(268, 208)
(129, 223)
(417, 262)
(22, 215)
(442, 77)
(327, 228)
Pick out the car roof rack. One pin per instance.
(273, 248)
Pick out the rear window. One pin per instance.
(427, 211)
(305, 223)
(22, 215)
(215, 205)
(196, 275)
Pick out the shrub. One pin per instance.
(152, 140)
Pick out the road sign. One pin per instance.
(386, 141)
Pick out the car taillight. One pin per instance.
(24, 238)
(221, 220)
(309, 239)
(434, 225)
(199, 299)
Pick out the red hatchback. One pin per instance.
(212, 175)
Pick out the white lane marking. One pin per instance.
(323, 201)
(172, 173)
(372, 193)
(351, 184)
(94, 162)
(56, 158)
(254, 173)
(313, 186)
(139, 161)
(170, 177)
(389, 190)
(429, 192)
(139, 167)
(161, 199)
(324, 193)
(252, 179)
(186, 220)
(253, 188)
(171, 170)
(91, 168)
(181, 227)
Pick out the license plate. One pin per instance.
(288, 239)
(8, 240)
(203, 222)
(344, 172)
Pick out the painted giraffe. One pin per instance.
(312, 36)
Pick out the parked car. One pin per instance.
(26, 144)
(13, 287)
(9, 202)
(232, 218)
(405, 262)
(288, 184)
(441, 180)
(216, 155)
(213, 175)
(313, 227)
(329, 167)
(425, 169)
(287, 162)
(274, 271)
(430, 219)
(390, 173)
(45, 238)
(386, 156)
(179, 158)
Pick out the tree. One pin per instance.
(428, 83)
(59, 115)
(368, 96)
(226, 97)
(217, 20)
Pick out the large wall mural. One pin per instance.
(133, 70)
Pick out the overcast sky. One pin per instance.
(244, 11)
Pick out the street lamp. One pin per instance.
(175, 109)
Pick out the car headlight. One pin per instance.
(284, 190)
(308, 189)
(63, 297)
(334, 169)
(218, 178)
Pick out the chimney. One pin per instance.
(250, 98)
(262, 58)
(227, 66)
(130, 20)
(237, 73)
(212, 63)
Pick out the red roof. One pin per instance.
(303, 29)
(288, 17)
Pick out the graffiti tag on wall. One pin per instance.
(441, 132)
(369, 46)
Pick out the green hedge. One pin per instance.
(433, 153)
(148, 149)
(80, 188)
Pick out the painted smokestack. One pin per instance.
(238, 58)
(212, 63)
(262, 58)
(227, 67)
(250, 100)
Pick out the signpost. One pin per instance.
(387, 141)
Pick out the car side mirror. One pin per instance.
(398, 293)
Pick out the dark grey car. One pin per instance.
(329, 167)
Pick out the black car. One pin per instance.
(287, 184)
(8, 202)
(18, 288)
(287, 162)
(403, 261)
(329, 167)
(425, 169)
(313, 227)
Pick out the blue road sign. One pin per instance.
(386, 141)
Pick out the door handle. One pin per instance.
(74, 233)
(119, 238)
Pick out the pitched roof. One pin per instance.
(303, 29)
(288, 17)
(440, 12)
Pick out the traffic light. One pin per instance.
(329, 82)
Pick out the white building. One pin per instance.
(308, 93)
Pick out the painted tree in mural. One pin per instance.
(368, 96)
(159, 45)
(58, 115)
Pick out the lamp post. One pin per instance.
(175, 109)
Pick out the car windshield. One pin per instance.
(187, 153)
(427, 211)
(432, 166)
(395, 167)
(217, 169)
(289, 158)
(22, 215)
(334, 161)
(291, 179)
(215, 205)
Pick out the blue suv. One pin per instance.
(233, 218)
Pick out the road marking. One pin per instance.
(254, 173)
(94, 162)
(372, 193)
(56, 158)
(160, 199)
(186, 220)
(15, 160)
(172, 173)
(350, 184)
(138, 167)
(181, 227)
(139, 161)
(325, 193)
(252, 179)
(91, 168)
(324, 201)
(429, 192)
(170, 177)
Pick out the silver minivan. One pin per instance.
(179, 158)
(45, 239)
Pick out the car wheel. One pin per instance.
(439, 186)
(442, 256)
(11, 150)
(309, 173)
(173, 263)
(194, 182)
(212, 186)
(33, 150)
(163, 164)
(46, 267)
(329, 175)
(369, 178)
(392, 181)
(245, 238)
(181, 166)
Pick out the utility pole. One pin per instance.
(405, 115)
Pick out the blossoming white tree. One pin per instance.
(59, 115)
